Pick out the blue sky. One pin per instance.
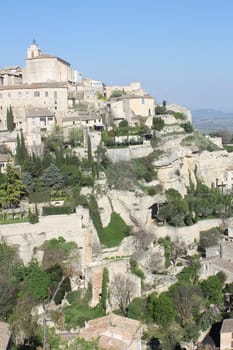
(180, 50)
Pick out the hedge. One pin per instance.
(57, 210)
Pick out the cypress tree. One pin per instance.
(9, 119)
(104, 291)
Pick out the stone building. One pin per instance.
(131, 107)
(114, 332)
(5, 336)
(226, 334)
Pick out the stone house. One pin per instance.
(131, 107)
(226, 334)
(4, 160)
(132, 88)
(39, 124)
(218, 258)
(114, 332)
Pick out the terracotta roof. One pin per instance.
(46, 55)
(33, 86)
(113, 326)
(221, 263)
(32, 112)
(4, 335)
(227, 326)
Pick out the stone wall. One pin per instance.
(75, 227)
(126, 154)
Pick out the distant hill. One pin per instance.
(207, 120)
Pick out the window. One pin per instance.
(46, 94)
(0, 95)
(19, 93)
(142, 101)
(55, 94)
(50, 118)
(27, 93)
(36, 93)
(9, 94)
(42, 121)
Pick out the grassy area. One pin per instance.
(79, 311)
(114, 233)
(12, 221)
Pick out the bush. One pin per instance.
(57, 210)
(158, 123)
(187, 127)
(33, 218)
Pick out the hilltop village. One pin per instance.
(115, 222)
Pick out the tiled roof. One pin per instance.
(46, 55)
(33, 86)
(33, 112)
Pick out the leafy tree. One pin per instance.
(10, 119)
(212, 289)
(82, 344)
(36, 282)
(161, 309)
(209, 238)
(158, 123)
(8, 288)
(75, 136)
(11, 189)
(123, 123)
(137, 309)
(186, 297)
(56, 275)
(116, 93)
(52, 177)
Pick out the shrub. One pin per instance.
(33, 218)
(57, 210)
(158, 123)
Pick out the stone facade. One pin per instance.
(226, 334)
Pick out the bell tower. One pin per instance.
(34, 50)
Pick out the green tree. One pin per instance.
(8, 288)
(10, 119)
(52, 177)
(36, 282)
(212, 290)
(161, 309)
(82, 344)
(104, 290)
(116, 93)
(21, 149)
(11, 189)
(27, 181)
(158, 123)
(75, 136)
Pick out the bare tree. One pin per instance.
(122, 289)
